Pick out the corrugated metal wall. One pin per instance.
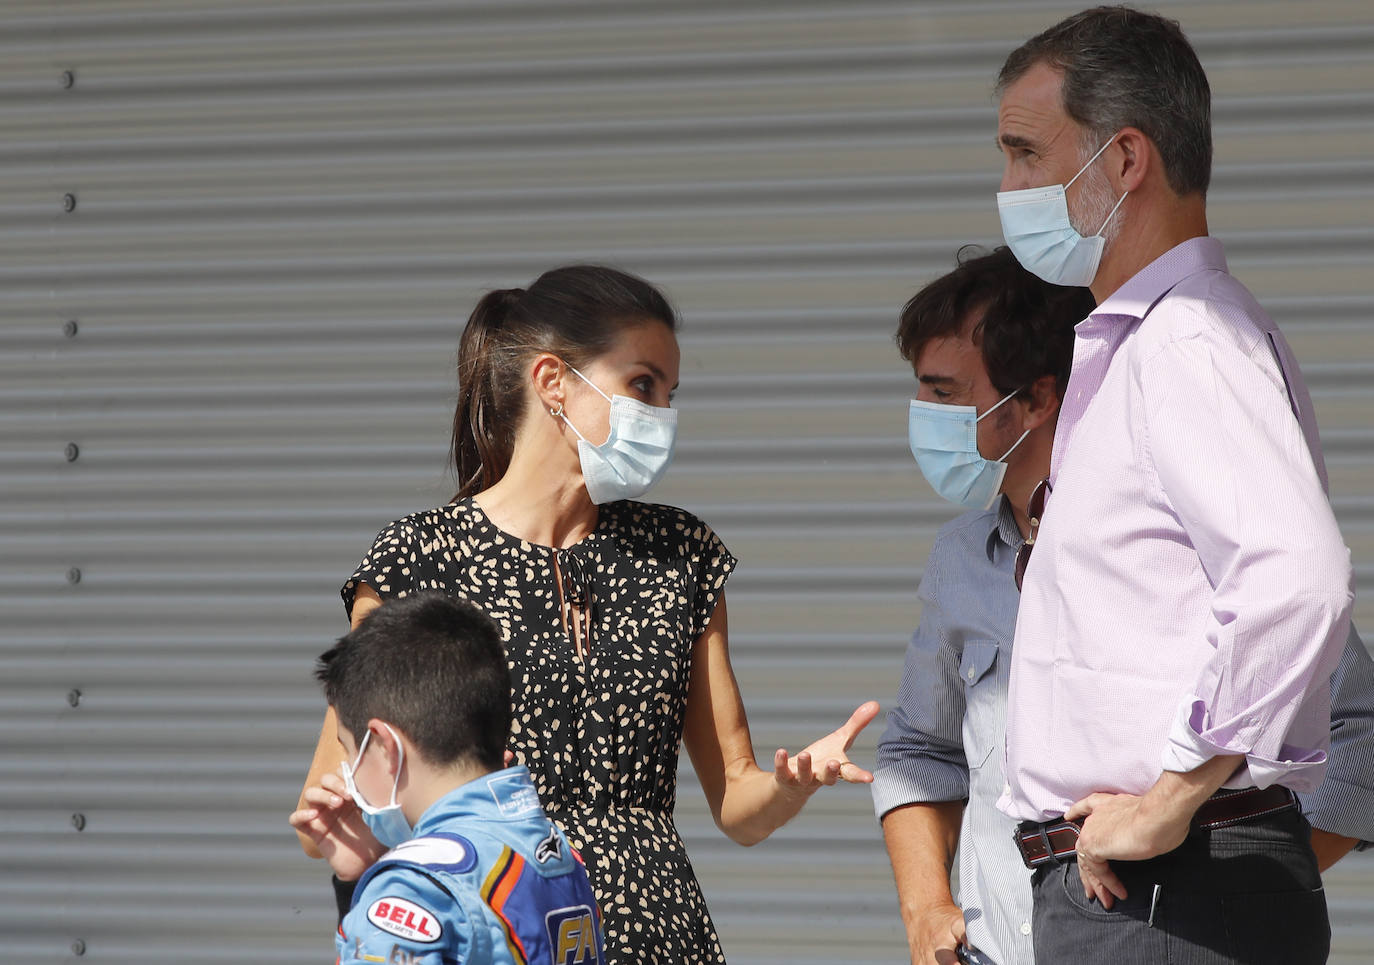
(237, 240)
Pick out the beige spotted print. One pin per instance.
(598, 721)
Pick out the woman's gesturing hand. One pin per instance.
(827, 760)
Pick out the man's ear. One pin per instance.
(546, 375)
(1044, 403)
(1131, 159)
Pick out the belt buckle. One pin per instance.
(1043, 832)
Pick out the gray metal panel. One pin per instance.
(282, 213)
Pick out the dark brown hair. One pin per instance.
(1128, 68)
(432, 665)
(575, 312)
(1026, 325)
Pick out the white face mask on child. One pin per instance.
(387, 824)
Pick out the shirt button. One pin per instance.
(972, 673)
(1006, 788)
(1025, 928)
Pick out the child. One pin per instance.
(476, 873)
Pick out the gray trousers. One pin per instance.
(1243, 895)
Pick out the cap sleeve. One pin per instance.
(389, 566)
(715, 563)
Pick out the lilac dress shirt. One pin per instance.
(1190, 592)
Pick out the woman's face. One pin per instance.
(642, 364)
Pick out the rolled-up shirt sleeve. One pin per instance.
(921, 753)
(1344, 804)
(1233, 465)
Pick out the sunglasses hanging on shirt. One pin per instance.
(1035, 509)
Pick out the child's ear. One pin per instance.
(389, 742)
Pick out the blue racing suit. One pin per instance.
(486, 879)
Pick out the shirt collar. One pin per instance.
(1135, 298)
(1003, 529)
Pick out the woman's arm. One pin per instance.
(747, 802)
(329, 753)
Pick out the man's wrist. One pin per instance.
(1169, 805)
(1183, 792)
(929, 927)
(919, 906)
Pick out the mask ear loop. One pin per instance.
(351, 770)
(358, 759)
(1110, 141)
(1109, 216)
(400, 763)
(1014, 445)
(558, 412)
(589, 382)
(998, 406)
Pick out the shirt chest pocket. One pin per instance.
(984, 701)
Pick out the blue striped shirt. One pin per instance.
(944, 737)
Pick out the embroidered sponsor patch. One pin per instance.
(550, 849)
(363, 956)
(400, 955)
(572, 935)
(514, 794)
(405, 919)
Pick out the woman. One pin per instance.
(613, 612)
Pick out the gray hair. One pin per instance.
(1126, 68)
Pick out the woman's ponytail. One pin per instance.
(482, 436)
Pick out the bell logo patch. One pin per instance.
(405, 919)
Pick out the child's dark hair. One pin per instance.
(433, 666)
(575, 312)
(1026, 325)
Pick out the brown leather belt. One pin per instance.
(1054, 841)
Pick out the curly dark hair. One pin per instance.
(1024, 326)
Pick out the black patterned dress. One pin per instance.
(598, 725)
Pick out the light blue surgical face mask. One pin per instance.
(944, 440)
(1035, 224)
(387, 824)
(634, 456)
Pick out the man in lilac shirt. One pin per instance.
(1189, 591)
(984, 331)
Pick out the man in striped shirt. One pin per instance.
(989, 330)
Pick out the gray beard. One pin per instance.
(1095, 201)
